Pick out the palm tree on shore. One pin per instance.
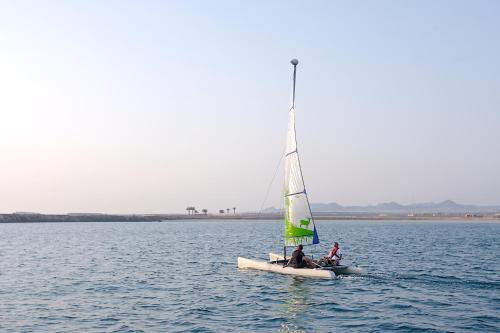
(227, 210)
(204, 211)
(234, 210)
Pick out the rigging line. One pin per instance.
(271, 183)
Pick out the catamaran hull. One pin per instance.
(278, 268)
(338, 270)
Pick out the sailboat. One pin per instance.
(299, 222)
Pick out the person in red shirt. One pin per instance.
(335, 256)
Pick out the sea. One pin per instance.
(182, 276)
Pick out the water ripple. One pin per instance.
(182, 277)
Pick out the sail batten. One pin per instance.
(299, 223)
(287, 195)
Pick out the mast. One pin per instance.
(294, 62)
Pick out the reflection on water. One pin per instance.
(296, 305)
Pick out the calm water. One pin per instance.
(182, 277)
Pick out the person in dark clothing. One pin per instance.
(299, 260)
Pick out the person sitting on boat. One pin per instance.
(299, 259)
(335, 256)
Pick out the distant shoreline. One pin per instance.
(41, 218)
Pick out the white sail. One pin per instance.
(299, 223)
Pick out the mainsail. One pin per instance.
(299, 223)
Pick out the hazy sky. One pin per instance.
(148, 107)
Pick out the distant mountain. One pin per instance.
(446, 207)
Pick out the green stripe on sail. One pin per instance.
(292, 231)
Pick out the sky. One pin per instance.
(153, 106)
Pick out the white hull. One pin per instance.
(278, 268)
(274, 257)
(338, 270)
